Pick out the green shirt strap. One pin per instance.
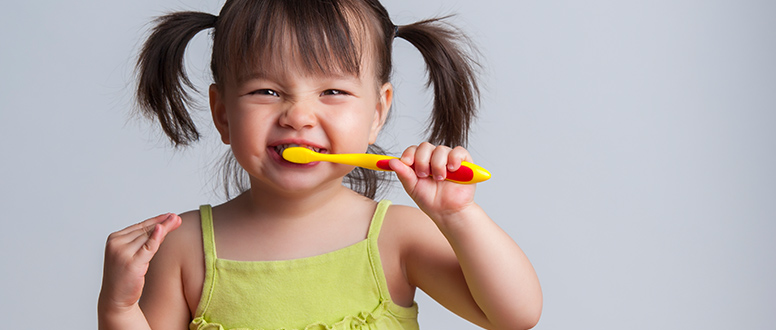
(209, 244)
(374, 253)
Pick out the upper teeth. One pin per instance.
(282, 147)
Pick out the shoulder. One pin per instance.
(406, 215)
(415, 237)
(184, 247)
(181, 249)
(180, 242)
(409, 226)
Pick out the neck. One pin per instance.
(272, 225)
(263, 203)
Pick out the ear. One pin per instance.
(218, 110)
(381, 111)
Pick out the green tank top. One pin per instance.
(343, 289)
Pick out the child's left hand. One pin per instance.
(426, 184)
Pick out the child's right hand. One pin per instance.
(128, 253)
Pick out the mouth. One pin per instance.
(282, 147)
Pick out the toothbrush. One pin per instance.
(467, 173)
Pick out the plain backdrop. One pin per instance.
(632, 146)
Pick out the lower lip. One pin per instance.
(279, 159)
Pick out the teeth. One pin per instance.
(282, 147)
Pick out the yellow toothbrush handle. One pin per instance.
(467, 173)
(369, 161)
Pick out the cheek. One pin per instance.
(352, 130)
(248, 130)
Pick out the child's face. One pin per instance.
(333, 113)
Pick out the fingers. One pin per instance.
(146, 227)
(456, 157)
(434, 161)
(143, 237)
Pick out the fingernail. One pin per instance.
(423, 174)
(440, 178)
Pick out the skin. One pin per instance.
(449, 247)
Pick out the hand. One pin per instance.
(128, 253)
(426, 183)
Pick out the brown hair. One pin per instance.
(334, 34)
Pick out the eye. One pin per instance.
(334, 92)
(267, 92)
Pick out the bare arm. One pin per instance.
(473, 267)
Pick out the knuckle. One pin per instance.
(149, 247)
(112, 243)
(119, 252)
(113, 247)
(111, 238)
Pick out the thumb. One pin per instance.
(405, 173)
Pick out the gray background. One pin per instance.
(633, 147)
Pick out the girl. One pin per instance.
(297, 249)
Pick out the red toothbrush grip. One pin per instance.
(463, 174)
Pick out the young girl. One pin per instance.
(298, 249)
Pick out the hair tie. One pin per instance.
(395, 31)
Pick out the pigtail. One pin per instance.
(451, 73)
(162, 80)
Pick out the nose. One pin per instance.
(298, 115)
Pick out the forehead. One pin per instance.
(278, 63)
